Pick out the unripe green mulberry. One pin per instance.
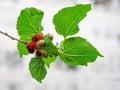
(51, 37)
(40, 43)
(44, 54)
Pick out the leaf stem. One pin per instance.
(64, 38)
(6, 34)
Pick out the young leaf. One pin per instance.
(49, 47)
(78, 51)
(37, 69)
(28, 24)
(49, 60)
(66, 20)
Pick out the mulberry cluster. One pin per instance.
(36, 44)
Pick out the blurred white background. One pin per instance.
(101, 28)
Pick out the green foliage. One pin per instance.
(66, 20)
(49, 47)
(73, 51)
(49, 60)
(78, 51)
(22, 49)
(37, 68)
(28, 24)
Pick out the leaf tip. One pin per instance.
(101, 55)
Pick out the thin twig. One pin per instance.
(6, 34)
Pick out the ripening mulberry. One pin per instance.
(31, 47)
(37, 37)
(38, 52)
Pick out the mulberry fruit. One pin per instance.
(38, 52)
(37, 37)
(31, 46)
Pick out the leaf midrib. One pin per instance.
(74, 22)
(36, 65)
(31, 25)
(71, 25)
(79, 55)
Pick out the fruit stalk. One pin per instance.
(6, 34)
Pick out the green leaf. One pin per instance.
(49, 47)
(22, 49)
(67, 60)
(37, 69)
(66, 20)
(49, 60)
(78, 51)
(28, 24)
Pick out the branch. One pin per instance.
(6, 34)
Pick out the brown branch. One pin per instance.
(6, 34)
